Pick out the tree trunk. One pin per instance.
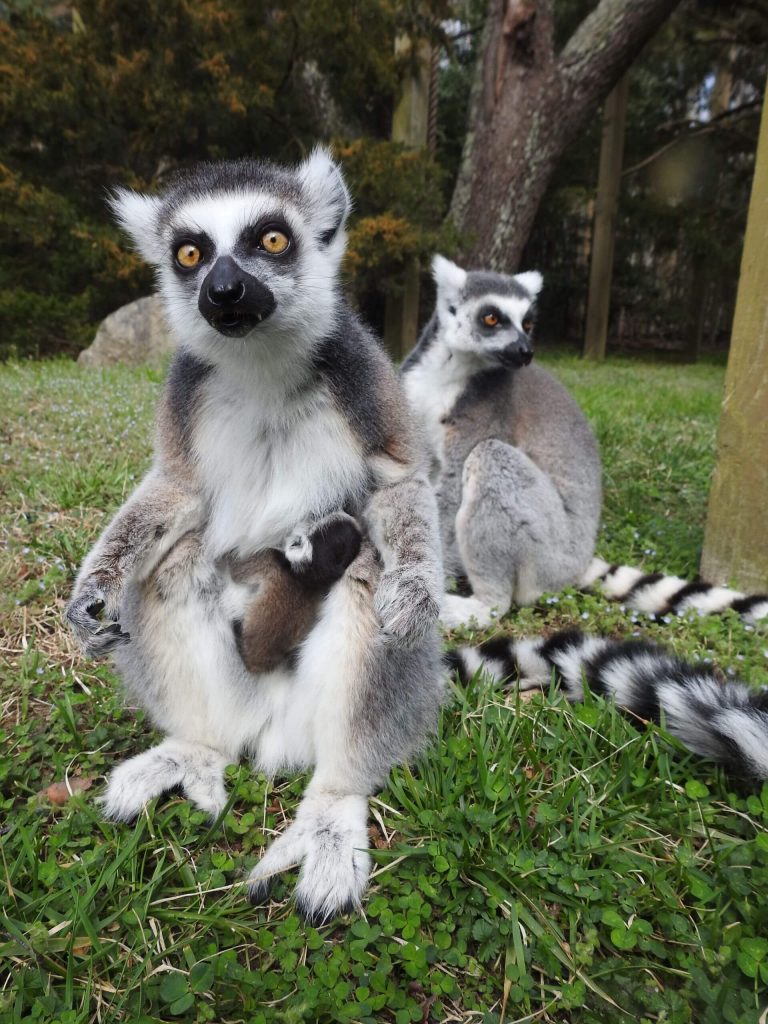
(606, 208)
(701, 273)
(697, 309)
(410, 125)
(527, 104)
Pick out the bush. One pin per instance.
(59, 271)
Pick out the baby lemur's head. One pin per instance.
(244, 249)
(484, 316)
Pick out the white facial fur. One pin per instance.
(303, 287)
(459, 316)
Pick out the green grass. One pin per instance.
(539, 863)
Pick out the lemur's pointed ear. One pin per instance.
(137, 214)
(532, 281)
(449, 277)
(325, 193)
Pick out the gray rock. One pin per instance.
(134, 335)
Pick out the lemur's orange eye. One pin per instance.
(274, 242)
(188, 255)
(528, 324)
(490, 319)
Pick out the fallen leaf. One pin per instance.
(60, 792)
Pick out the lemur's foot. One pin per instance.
(329, 840)
(458, 611)
(198, 770)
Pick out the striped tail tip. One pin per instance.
(656, 593)
(726, 722)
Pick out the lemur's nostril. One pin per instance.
(229, 293)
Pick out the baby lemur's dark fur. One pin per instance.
(288, 591)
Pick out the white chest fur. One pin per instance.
(270, 461)
(433, 387)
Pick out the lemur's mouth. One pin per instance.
(514, 358)
(235, 325)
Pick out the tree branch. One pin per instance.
(724, 120)
(693, 123)
(605, 44)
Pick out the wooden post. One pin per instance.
(736, 539)
(606, 205)
(410, 125)
(697, 312)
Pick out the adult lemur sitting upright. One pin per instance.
(514, 461)
(279, 409)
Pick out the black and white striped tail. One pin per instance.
(658, 594)
(722, 721)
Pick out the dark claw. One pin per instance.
(108, 640)
(258, 892)
(113, 629)
(316, 918)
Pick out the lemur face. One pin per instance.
(244, 249)
(486, 316)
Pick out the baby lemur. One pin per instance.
(287, 588)
(280, 409)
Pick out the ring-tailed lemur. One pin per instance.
(514, 462)
(516, 465)
(724, 721)
(279, 408)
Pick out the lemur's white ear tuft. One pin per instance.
(325, 192)
(532, 281)
(449, 277)
(136, 214)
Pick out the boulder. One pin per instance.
(134, 335)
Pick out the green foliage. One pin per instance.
(112, 92)
(540, 861)
(57, 270)
(399, 206)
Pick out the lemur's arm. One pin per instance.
(402, 517)
(158, 512)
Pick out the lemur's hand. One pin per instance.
(95, 635)
(405, 605)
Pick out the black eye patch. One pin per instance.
(490, 318)
(452, 310)
(197, 239)
(250, 245)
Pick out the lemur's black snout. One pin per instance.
(518, 354)
(222, 293)
(232, 300)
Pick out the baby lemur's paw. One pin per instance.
(320, 553)
(298, 548)
(92, 617)
(406, 606)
